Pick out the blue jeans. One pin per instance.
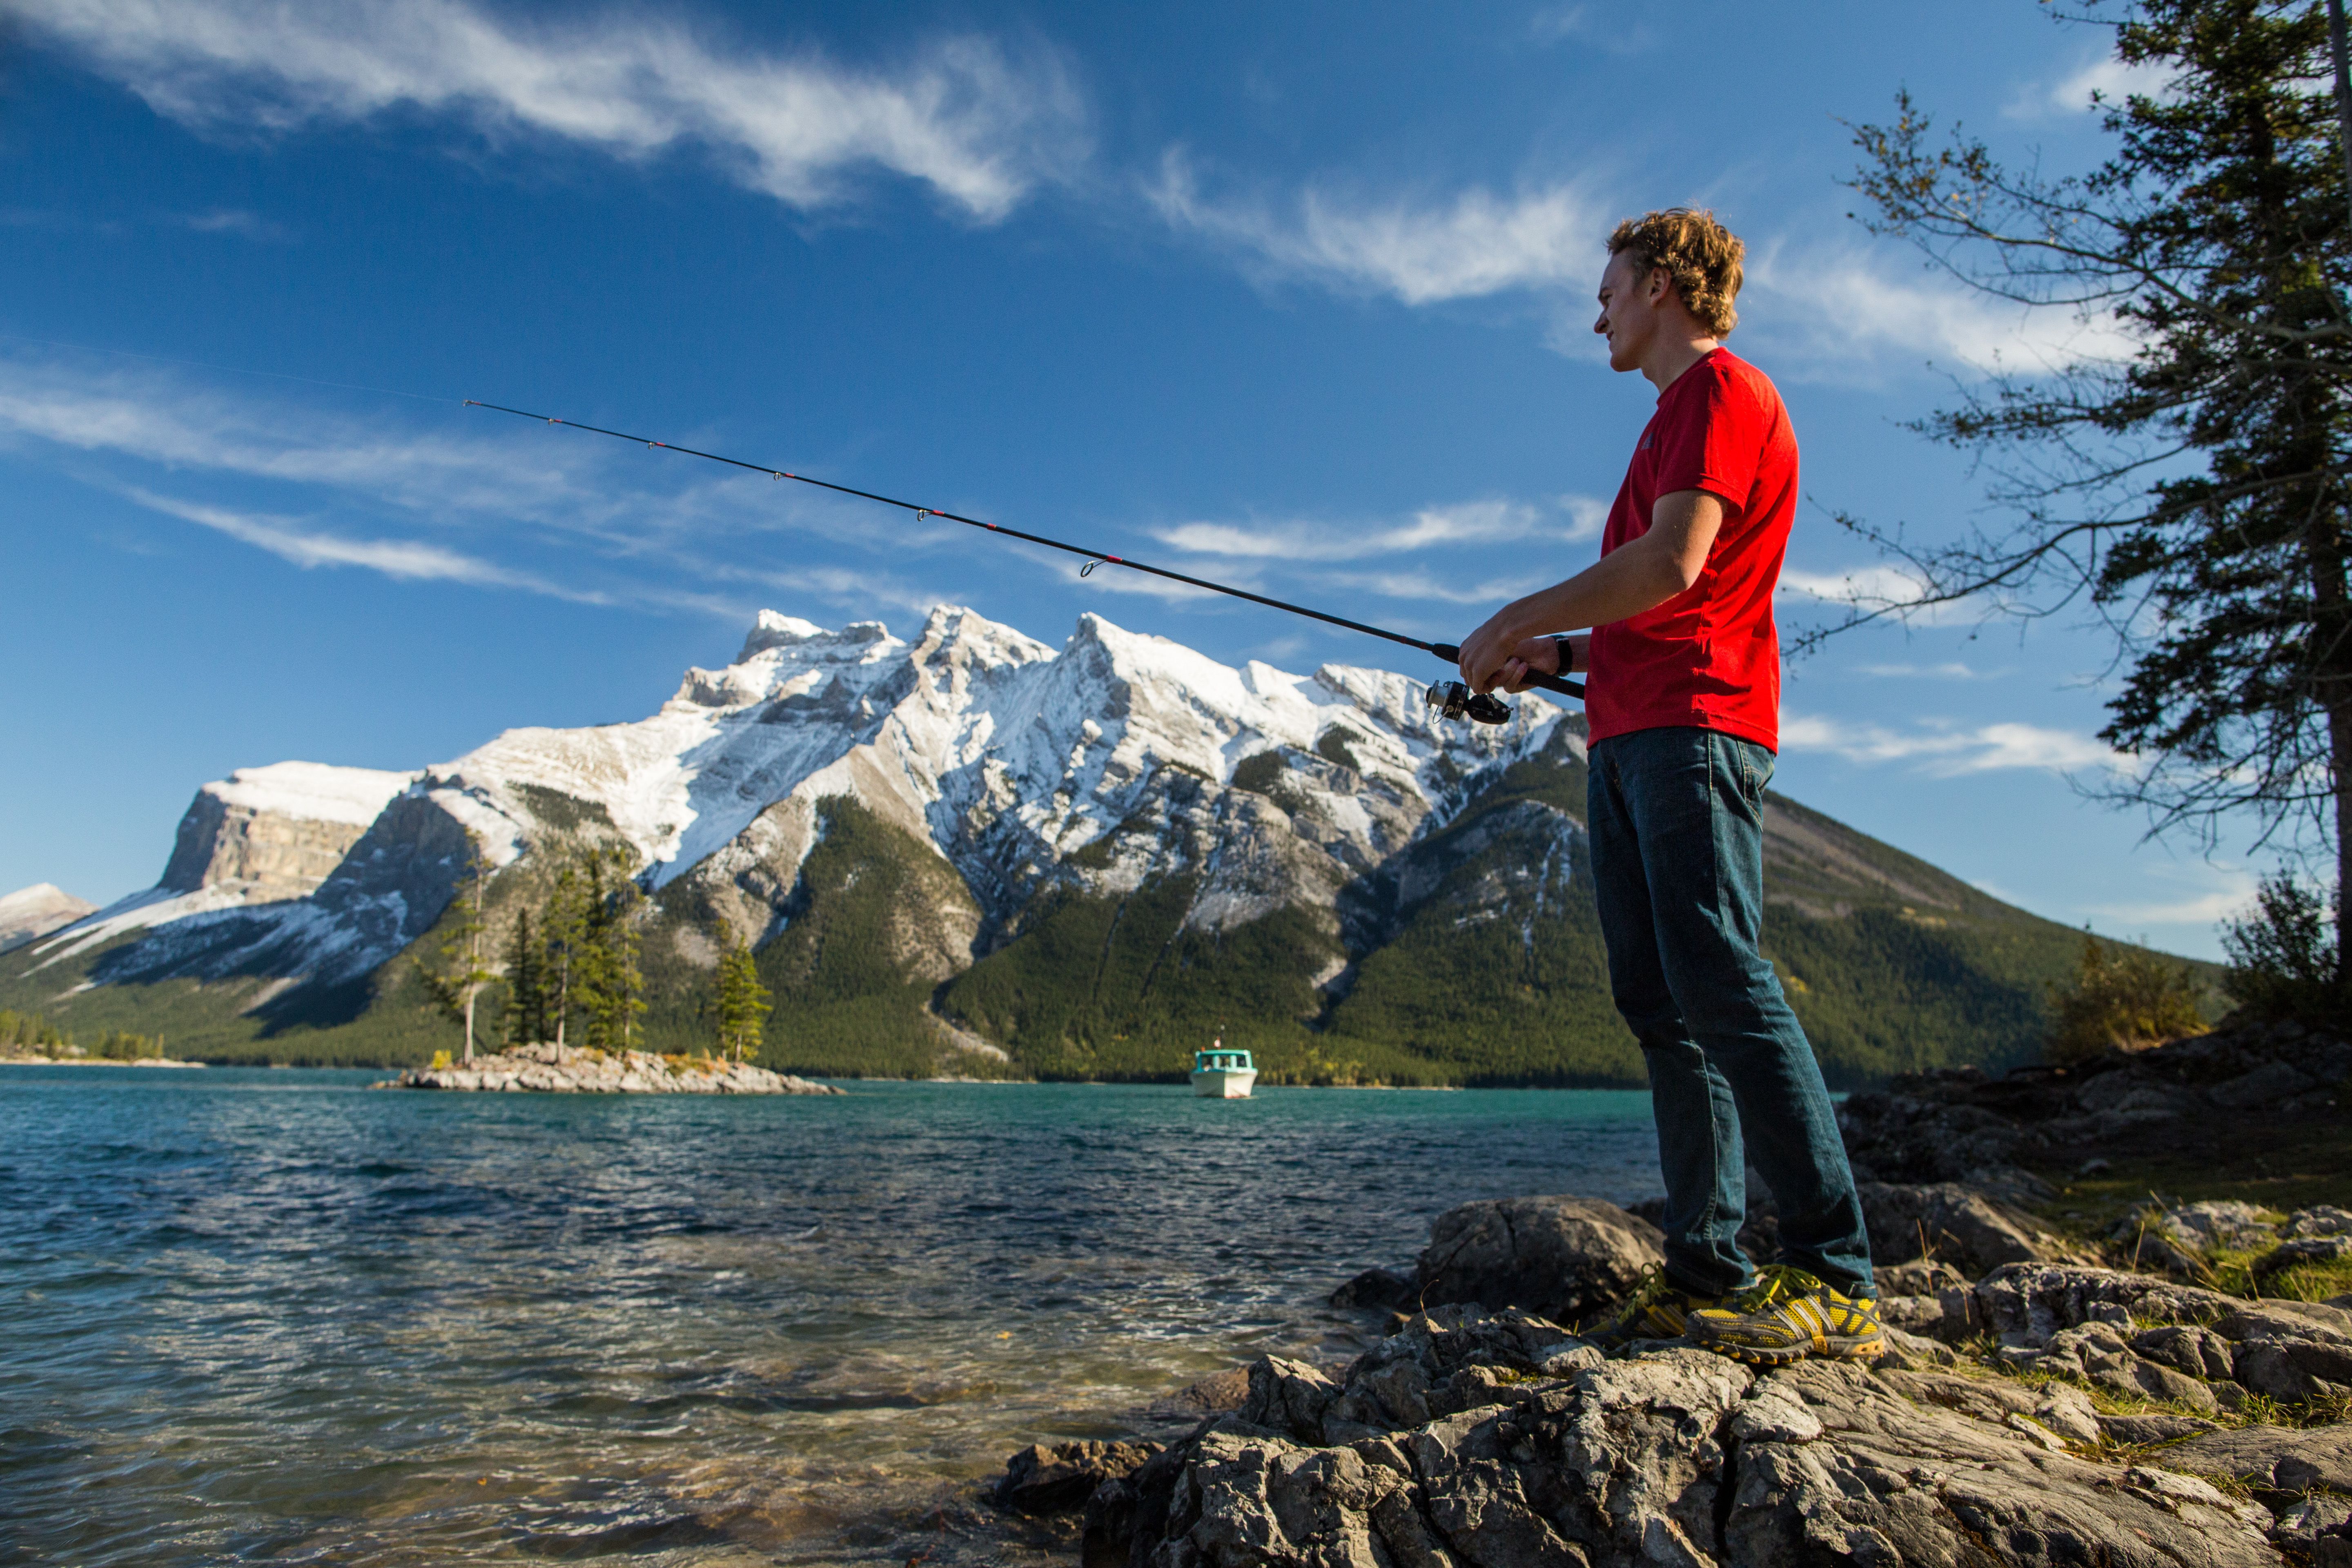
(1677, 823)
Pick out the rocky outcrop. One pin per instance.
(1039, 1479)
(276, 832)
(1957, 1125)
(1564, 1258)
(568, 1069)
(1493, 1439)
(2100, 1428)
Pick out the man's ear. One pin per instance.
(1661, 285)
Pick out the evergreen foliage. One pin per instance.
(744, 1004)
(454, 982)
(2282, 955)
(2190, 487)
(2122, 999)
(31, 1034)
(526, 985)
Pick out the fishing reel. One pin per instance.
(1452, 700)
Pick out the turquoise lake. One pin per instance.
(276, 1316)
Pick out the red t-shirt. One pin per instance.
(1710, 655)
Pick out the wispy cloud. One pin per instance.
(1485, 521)
(1951, 669)
(1838, 310)
(1420, 251)
(2200, 909)
(407, 559)
(1948, 751)
(1617, 29)
(419, 497)
(233, 220)
(979, 126)
(1870, 588)
(2105, 80)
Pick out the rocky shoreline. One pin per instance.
(2037, 1406)
(36, 1061)
(571, 1070)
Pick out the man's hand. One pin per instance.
(1492, 658)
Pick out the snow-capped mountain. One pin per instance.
(1005, 756)
(37, 910)
(969, 851)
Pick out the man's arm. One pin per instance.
(1638, 575)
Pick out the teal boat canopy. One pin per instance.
(1220, 1061)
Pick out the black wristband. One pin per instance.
(1567, 655)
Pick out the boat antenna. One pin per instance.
(1456, 701)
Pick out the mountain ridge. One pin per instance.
(1098, 853)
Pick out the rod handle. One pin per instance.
(1451, 653)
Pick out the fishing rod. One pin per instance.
(1451, 698)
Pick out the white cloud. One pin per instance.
(1420, 251)
(232, 220)
(2203, 909)
(1618, 29)
(1945, 750)
(963, 118)
(1464, 522)
(1835, 310)
(390, 494)
(1953, 670)
(404, 559)
(1587, 517)
(1839, 310)
(1868, 588)
(2110, 78)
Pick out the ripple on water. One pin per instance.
(268, 1315)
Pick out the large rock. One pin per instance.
(1564, 1258)
(1956, 1224)
(2274, 1458)
(2024, 1304)
(1058, 1479)
(1671, 1457)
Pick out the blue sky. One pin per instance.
(1296, 296)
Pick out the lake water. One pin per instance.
(256, 1315)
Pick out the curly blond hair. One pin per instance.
(1699, 253)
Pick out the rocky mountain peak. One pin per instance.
(37, 910)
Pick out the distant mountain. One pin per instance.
(37, 910)
(975, 853)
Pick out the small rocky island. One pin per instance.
(571, 1070)
(2153, 1386)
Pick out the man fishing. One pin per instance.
(1683, 702)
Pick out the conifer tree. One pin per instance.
(625, 980)
(559, 932)
(455, 981)
(526, 985)
(607, 984)
(2186, 485)
(744, 1002)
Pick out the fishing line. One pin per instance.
(1094, 558)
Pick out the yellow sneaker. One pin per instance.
(1787, 1315)
(1659, 1309)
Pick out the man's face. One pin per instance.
(1629, 310)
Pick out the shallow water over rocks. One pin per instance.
(262, 1315)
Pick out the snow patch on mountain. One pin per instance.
(37, 910)
(315, 792)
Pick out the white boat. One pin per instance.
(1221, 1074)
